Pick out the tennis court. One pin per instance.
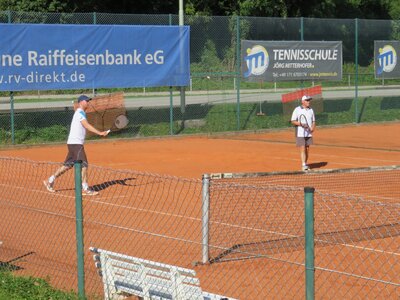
(339, 147)
(175, 209)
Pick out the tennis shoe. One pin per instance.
(49, 186)
(89, 192)
(306, 168)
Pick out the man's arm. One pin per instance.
(312, 126)
(313, 123)
(89, 127)
(294, 119)
(295, 123)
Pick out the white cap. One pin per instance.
(306, 97)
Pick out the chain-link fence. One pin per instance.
(217, 99)
(260, 217)
(254, 229)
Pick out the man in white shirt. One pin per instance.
(304, 119)
(76, 150)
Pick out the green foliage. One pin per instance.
(222, 116)
(54, 133)
(394, 9)
(31, 135)
(379, 9)
(34, 5)
(19, 288)
(209, 60)
(5, 136)
(159, 129)
(271, 8)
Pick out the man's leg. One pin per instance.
(84, 178)
(306, 151)
(49, 183)
(85, 185)
(61, 171)
(304, 157)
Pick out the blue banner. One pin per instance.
(52, 57)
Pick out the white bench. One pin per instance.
(147, 279)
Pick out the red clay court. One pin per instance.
(349, 146)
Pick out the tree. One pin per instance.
(34, 5)
(211, 7)
(109, 6)
(394, 9)
(263, 8)
(362, 9)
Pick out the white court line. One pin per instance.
(145, 210)
(199, 220)
(43, 191)
(370, 249)
(355, 158)
(241, 227)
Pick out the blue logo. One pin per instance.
(257, 60)
(387, 59)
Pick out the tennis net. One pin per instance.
(262, 214)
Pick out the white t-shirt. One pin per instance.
(77, 132)
(309, 113)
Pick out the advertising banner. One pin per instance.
(385, 59)
(291, 60)
(51, 57)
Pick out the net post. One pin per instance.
(79, 228)
(309, 241)
(205, 216)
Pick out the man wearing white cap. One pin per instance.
(304, 119)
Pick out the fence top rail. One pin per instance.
(216, 176)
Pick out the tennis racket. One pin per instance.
(121, 121)
(304, 123)
(100, 113)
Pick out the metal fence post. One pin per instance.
(205, 215)
(182, 88)
(171, 111)
(79, 229)
(309, 241)
(238, 72)
(12, 118)
(356, 70)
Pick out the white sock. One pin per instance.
(52, 178)
(85, 186)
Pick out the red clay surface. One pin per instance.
(340, 147)
(190, 157)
